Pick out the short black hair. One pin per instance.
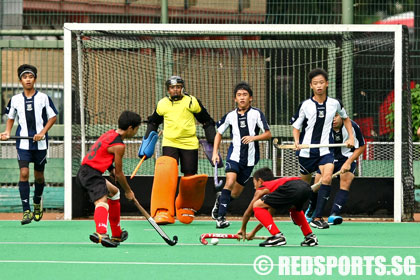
(317, 71)
(242, 85)
(264, 173)
(26, 68)
(127, 119)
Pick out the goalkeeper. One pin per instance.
(178, 112)
(270, 194)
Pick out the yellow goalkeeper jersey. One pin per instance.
(179, 122)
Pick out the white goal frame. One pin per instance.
(230, 29)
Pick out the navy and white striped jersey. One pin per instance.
(315, 122)
(248, 124)
(342, 136)
(33, 114)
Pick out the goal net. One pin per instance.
(111, 68)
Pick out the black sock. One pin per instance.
(224, 202)
(323, 196)
(339, 201)
(24, 195)
(39, 189)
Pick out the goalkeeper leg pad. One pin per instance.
(191, 197)
(163, 190)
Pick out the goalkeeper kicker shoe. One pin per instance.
(310, 241)
(103, 239)
(275, 240)
(38, 212)
(122, 238)
(27, 217)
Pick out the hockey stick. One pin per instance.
(315, 187)
(24, 137)
(306, 146)
(156, 226)
(204, 236)
(217, 183)
(137, 167)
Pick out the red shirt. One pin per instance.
(98, 156)
(274, 184)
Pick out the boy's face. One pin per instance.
(338, 121)
(28, 81)
(319, 85)
(243, 99)
(257, 183)
(132, 131)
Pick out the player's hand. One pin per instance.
(250, 236)
(242, 234)
(4, 136)
(129, 195)
(247, 139)
(350, 143)
(345, 168)
(215, 158)
(297, 146)
(39, 137)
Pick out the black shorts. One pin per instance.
(292, 193)
(188, 158)
(38, 157)
(92, 181)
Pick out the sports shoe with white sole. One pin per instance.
(319, 224)
(273, 241)
(310, 241)
(222, 223)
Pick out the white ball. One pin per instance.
(214, 241)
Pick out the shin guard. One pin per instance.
(190, 197)
(163, 190)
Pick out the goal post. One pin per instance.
(114, 67)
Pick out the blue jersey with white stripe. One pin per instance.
(341, 136)
(315, 122)
(248, 124)
(33, 114)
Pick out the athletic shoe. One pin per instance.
(275, 240)
(215, 210)
(28, 216)
(103, 239)
(38, 212)
(320, 224)
(222, 223)
(335, 220)
(122, 238)
(310, 241)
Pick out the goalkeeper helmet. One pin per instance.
(174, 80)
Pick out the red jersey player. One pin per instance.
(109, 148)
(288, 192)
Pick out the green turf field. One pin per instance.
(62, 250)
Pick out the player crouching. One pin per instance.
(271, 194)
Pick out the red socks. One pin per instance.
(101, 218)
(114, 217)
(266, 220)
(299, 218)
